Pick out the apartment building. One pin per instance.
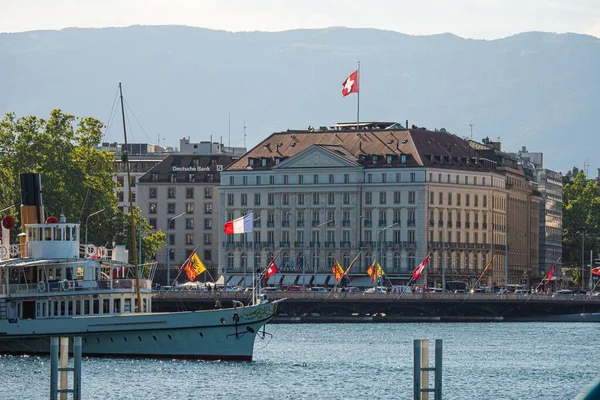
(381, 191)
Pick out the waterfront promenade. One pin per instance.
(395, 307)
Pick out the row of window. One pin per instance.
(172, 192)
(458, 198)
(457, 179)
(189, 223)
(316, 198)
(188, 252)
(329, 179)
(368, 236)
(62, 308)
(171, 209)
(450, 238)
(189, 239)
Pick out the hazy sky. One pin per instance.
(479, 19)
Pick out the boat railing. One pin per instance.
(72, 286)
(95, 252)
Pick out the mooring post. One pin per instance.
(417, 370)
(54, 368)
(77, 368)
(424, 369)
(64, 363)
(438, 370)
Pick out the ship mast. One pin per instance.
(125, 158)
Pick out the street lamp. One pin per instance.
(379, 232)
(169, 249)
(315, 245)
(86, 223)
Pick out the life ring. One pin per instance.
(3, 251)
(65, 285)
(41, 286)
(90, 249)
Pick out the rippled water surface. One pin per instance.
(347, 361)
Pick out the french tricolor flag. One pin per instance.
(240, 225)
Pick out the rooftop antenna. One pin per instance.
(471, 125)
(244, 134)
(229, 120)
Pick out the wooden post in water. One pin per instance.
(62, 358)
(421, 370)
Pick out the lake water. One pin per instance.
(347, 361)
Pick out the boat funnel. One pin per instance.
(32, 210)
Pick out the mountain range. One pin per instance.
(532, 89)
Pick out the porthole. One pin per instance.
(222, 320)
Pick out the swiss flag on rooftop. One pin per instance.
(350, 85)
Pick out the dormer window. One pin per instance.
(361, 158)
(389, 158)
(277, 160)
(403, 158)
(263, 162)
(375, 159)
(251, 162)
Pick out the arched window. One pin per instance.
(411, 261)
(330, 260)
(285, 260)
(230, 260)
(346, 260)
(257, 260)
(397, 261)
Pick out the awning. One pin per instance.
(220, 280)
(289, 279)
(234, 280)
(361, 281)
(274, 279)
(320, 279)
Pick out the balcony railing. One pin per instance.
(330, 244)
(368, 244)
(484, 225)
(298, 244)
(315, 244)
(382, 222)
(331, 223)
(458, 224)
(257, 224)
(285, 224)
(411, 222)
(300, 223)
(476, 225)
(368, 222)
(344, 244)
(270, 224)
(315, 223)
(467, 225)
(284, 244)
(346, 223)
(449, 223)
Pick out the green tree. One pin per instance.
(581, 220)
(77, 177)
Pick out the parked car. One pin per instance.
(563, 293)
(521, 292)
(478, 290)
(378, 289)
(319, 289)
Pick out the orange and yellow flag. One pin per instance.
(193, 267)
(374, 274)
(337, 270)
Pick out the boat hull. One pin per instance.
(227, 334)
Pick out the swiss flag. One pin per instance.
(419, 270)
(350, 85)
(271, 270)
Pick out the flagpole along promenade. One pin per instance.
(358, 95)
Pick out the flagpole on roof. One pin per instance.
(358, 96)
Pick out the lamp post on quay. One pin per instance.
(86, 223)
(315, 244)
(379, 243)
(169, 249)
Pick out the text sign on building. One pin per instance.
(217, 168)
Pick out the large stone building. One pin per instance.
(392, 194)
(550, 185)
(180, 197)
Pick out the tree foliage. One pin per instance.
(77, 177)
(581, 219)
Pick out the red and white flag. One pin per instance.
(596, 271)
(350, 85)
(417, 272)
(550, 273)
(271, 270)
